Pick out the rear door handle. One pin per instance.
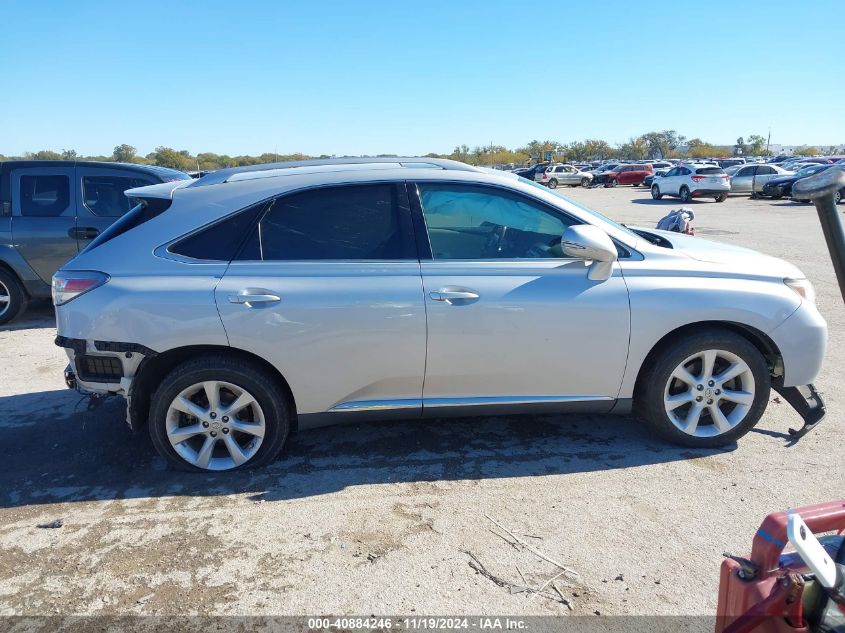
(454, 296)
(249, 299)
(83, 233)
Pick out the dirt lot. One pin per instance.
(380, 519)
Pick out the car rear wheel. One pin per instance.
(655, 192)
(13, 298)
(585, 182)
(684, 194)
(705, 390)
(721, 197)
(611, 182)
(214, 413)
(553, 184)
(837, 197)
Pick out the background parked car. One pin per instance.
(624, 175)
(563, 175)
(837, 196)
(693, 181)
(50, 211)
(781, 186)
(531, 172)
(752, 178)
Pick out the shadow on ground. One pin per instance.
(55, 450)
(38, 315)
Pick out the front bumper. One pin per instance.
(807, 403)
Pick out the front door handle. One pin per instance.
(83, 233)
(451, 296)
(257, 298)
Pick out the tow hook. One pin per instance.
(70, 378)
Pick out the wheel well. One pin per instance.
(153, 369)
(765, 345)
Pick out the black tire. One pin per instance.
(721, 197)
(585, 182)
(837, 197)
(258, 382)
(11, 288)
(777, 196)
(553, 184)
(611, 182)
(684, 194)
(649, 403)
(655, 192)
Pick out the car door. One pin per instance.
(44, 217)
(742, 179)
(328, 290)
(569, 175)
(511, 320)
(670, 183)
(100, 199)
(763, 175)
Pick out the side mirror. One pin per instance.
(590, 243)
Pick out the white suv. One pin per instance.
(693, 181)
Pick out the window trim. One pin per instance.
(424, 242)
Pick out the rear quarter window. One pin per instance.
(225, 239)
(709, 171)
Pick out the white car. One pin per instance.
(555, 175)
(689, 181)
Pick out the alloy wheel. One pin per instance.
(709, 393)
(5, 298)
(215, 425)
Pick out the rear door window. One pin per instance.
(103, 195)
(350, 222)
(44, 195)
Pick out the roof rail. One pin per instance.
(410, 162)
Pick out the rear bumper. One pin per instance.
(101, 367)
(709, 193)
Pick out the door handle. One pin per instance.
(250, 299)
(447, 295)
(83, 233)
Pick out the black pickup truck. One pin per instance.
(49, 211)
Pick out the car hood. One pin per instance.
(727, 258)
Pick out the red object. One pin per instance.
(770, 602)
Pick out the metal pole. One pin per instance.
(821, 188)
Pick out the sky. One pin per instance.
(411, 77)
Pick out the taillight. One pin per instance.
(698, 178)
(69, 284)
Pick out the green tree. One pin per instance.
(124, 153)
(169, 157)
(44, 154)
(662, 144)
(806, 151)
(755, 145)
(635, 148)
(69, 154)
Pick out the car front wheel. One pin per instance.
(585, 182)
(705, 390)
(553, 184)
(655, 192)
(684, 194)
(215, 413)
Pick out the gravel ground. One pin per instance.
(386, 518)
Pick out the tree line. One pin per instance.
(663, 144)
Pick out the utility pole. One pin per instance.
(768, 139)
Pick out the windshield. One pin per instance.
(809, 170)
(593, 212)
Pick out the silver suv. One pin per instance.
(231, 310)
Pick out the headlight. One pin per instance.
(802, 288)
